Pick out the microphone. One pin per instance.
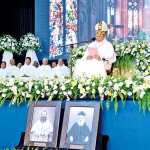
(93, 39)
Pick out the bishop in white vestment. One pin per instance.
(92, 63)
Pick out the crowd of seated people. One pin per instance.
(58, 70)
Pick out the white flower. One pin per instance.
(23, 93)
(38, 92)
(110, 83)
(115, 80)
(4, 90)
(100, 89)
(30, 85)
(65, 93)
(11, 81)
(36, 87)
(14, 90)
(50, 82)
(14, 100)
(87, 88)
(69, 93)
(3, 95)
(55, 87)
(42, 95)
(21, 83)
(55, 92)
(129, 93)
(88, 82)
(121, 84)
(128, 83)
(68, 81)
(46, 87)
(93, 84)
(82, 90)
(80, 86)
(115, 94)
(63, 88)
(28, 95)
(116, 87)
(142, 94)
(45, 82)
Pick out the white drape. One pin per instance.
(32, 55)
(7, 56)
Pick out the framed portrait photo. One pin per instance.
(80, 124)
(43, 124)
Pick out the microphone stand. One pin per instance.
(71, 47)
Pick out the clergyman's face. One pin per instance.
(3, 66)
(60, 62)
(43, 116)
(36, 64)
(54, 64)
(100, 37)
(12, 62)
(81, 119)
(28, 61)
(45, 62)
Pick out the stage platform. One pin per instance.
(128, 129)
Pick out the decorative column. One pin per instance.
(119, 10)
(141, 14)
(146, 16)
(125, 17)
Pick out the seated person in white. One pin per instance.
(36, 64)
(54, 64)
(3, 70)
(99, 50)
(61, 71)
(12, 70)
(19, 65)
(27, 70)
(44, 70)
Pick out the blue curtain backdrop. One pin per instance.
(128, 129)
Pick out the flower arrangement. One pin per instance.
(133, 55)
(111, 88)
(77, 53)
(8, 43)
(29, 42)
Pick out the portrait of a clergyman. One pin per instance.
(79, 133)
(42, 129)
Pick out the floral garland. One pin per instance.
(8, 43)
(29, 42)
(111, 89)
